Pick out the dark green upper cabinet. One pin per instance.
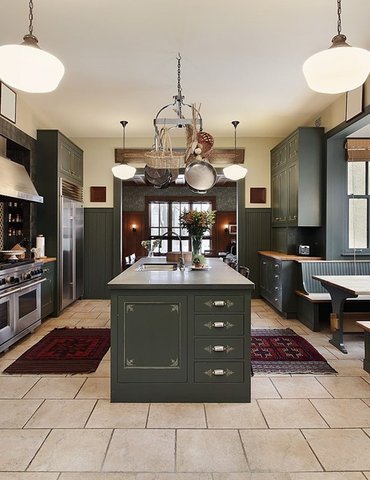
(70, 161)
(296, 179)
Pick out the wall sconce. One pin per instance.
(226, 228)
(133, 227)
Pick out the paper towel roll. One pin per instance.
(40, 245)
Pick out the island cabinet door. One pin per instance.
(152, 339)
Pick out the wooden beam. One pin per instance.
(218, 155)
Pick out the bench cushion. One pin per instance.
(325, 297)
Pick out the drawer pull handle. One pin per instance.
(219, 372)
(218, 324)
(218, 348)
(211, 325)
(219, 303)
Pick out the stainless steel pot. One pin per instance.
(200, 176)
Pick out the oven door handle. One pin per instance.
(22, 287)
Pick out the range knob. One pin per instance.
(28, 276)
(2, 281)
(16, 280)
(9, 280)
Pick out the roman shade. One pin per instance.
(358, 149)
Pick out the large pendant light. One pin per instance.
(123, 171)
(235, 172)
(26, 67)
(338, 69)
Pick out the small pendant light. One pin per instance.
(123, 171)
(235, 172)
(26, 67)
(340, 68)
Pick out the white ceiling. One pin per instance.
(241, 59)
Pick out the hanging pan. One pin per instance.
(158, 177)
(200, 176)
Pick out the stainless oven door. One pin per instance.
(27, 305)
(7, 328)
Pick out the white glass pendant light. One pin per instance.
(123, 171)
(26, 67)
(235, 172)
(338, 69)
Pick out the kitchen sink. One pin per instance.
(157, 267)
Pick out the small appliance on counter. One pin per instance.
(304, 250)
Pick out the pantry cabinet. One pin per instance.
(296, 179)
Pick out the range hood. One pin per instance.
(16, 183)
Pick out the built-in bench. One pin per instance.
(314, 301)
(366, 327)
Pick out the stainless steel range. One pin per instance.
(20, 300)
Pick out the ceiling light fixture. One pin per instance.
(235, 172)
(123, 171)
(340, 68)
(27, 67)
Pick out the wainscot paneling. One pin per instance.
(257, 237)
(98, 257)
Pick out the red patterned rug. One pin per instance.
(283, 351)
(65, 350)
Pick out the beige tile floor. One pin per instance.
(302, 427)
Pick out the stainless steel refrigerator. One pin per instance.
(71, 251)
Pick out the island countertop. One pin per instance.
(218, 275)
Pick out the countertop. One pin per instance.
(47, 259)
(286, 256)
(219, 275)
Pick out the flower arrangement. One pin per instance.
(150, 244)
(197, 223)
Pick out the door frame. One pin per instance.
(118, 192)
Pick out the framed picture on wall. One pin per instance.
(354, 102)
(8, 100)
(233, 230)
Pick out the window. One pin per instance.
(164, 215)
(358, 191)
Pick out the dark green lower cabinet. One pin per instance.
(152, 339)
(177, 345)
(48, 290)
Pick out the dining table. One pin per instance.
(341, 288)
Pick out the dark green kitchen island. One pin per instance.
(180, 336)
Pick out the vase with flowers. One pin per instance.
(197, 223)
(150, 245)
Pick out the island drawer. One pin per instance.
(220, 348)
(219, 303)
(219, 372)
(230, 325)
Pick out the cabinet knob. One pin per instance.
(218, 372)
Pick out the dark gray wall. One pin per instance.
(257, 237)
(98, 256)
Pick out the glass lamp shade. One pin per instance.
(235, 172)
(28, 68)
(123, 171)
(337, 70)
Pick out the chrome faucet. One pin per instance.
(176, 235)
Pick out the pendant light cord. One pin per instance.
(30, 27)
(339, 11)
(235, 123)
